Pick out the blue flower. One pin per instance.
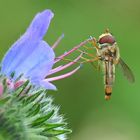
(33, 57)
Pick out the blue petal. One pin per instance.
(17, 54)
(35, 65)
(27, 45)
(40, 24)
(40, 62)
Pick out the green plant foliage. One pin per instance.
(27, 113)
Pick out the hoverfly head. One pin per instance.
(106, 37)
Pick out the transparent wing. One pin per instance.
(127, 71)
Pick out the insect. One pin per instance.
(107, 52)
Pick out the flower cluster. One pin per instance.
(32, 58)
(29, 62)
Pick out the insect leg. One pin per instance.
(96, 67)
(94, 43)
(88, 54)
(88, 48)
(89, 60)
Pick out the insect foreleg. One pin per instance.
(88, 54)
(89, 60)
(94, 43)
(88, 48)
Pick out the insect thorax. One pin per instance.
(107, 51)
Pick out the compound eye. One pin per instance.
(107, 39)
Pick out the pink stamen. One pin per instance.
(55, 69)
(18, 84)
(57, 41)
(60, 68)
(69, 52)
(62, 76)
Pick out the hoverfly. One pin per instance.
(107, 52)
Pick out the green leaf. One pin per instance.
(52, 133)
(3, 100)
(35, 110)
(31, 98)
(42, 119)
(49, 126)
(21, 89)
(28, 114)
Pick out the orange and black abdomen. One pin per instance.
(108, 78)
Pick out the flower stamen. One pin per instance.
(57, 41)
(69, 52)
(63, 76)
(62, 67)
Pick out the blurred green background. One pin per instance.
(81, 96)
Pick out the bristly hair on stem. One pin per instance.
(27, 113)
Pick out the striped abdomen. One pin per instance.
(109, 78)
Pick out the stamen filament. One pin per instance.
(57, 41)
(60, 68)
(63, 76)
(72, 50)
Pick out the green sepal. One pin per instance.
(42, 119)
(27, 113)
(52, 133)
